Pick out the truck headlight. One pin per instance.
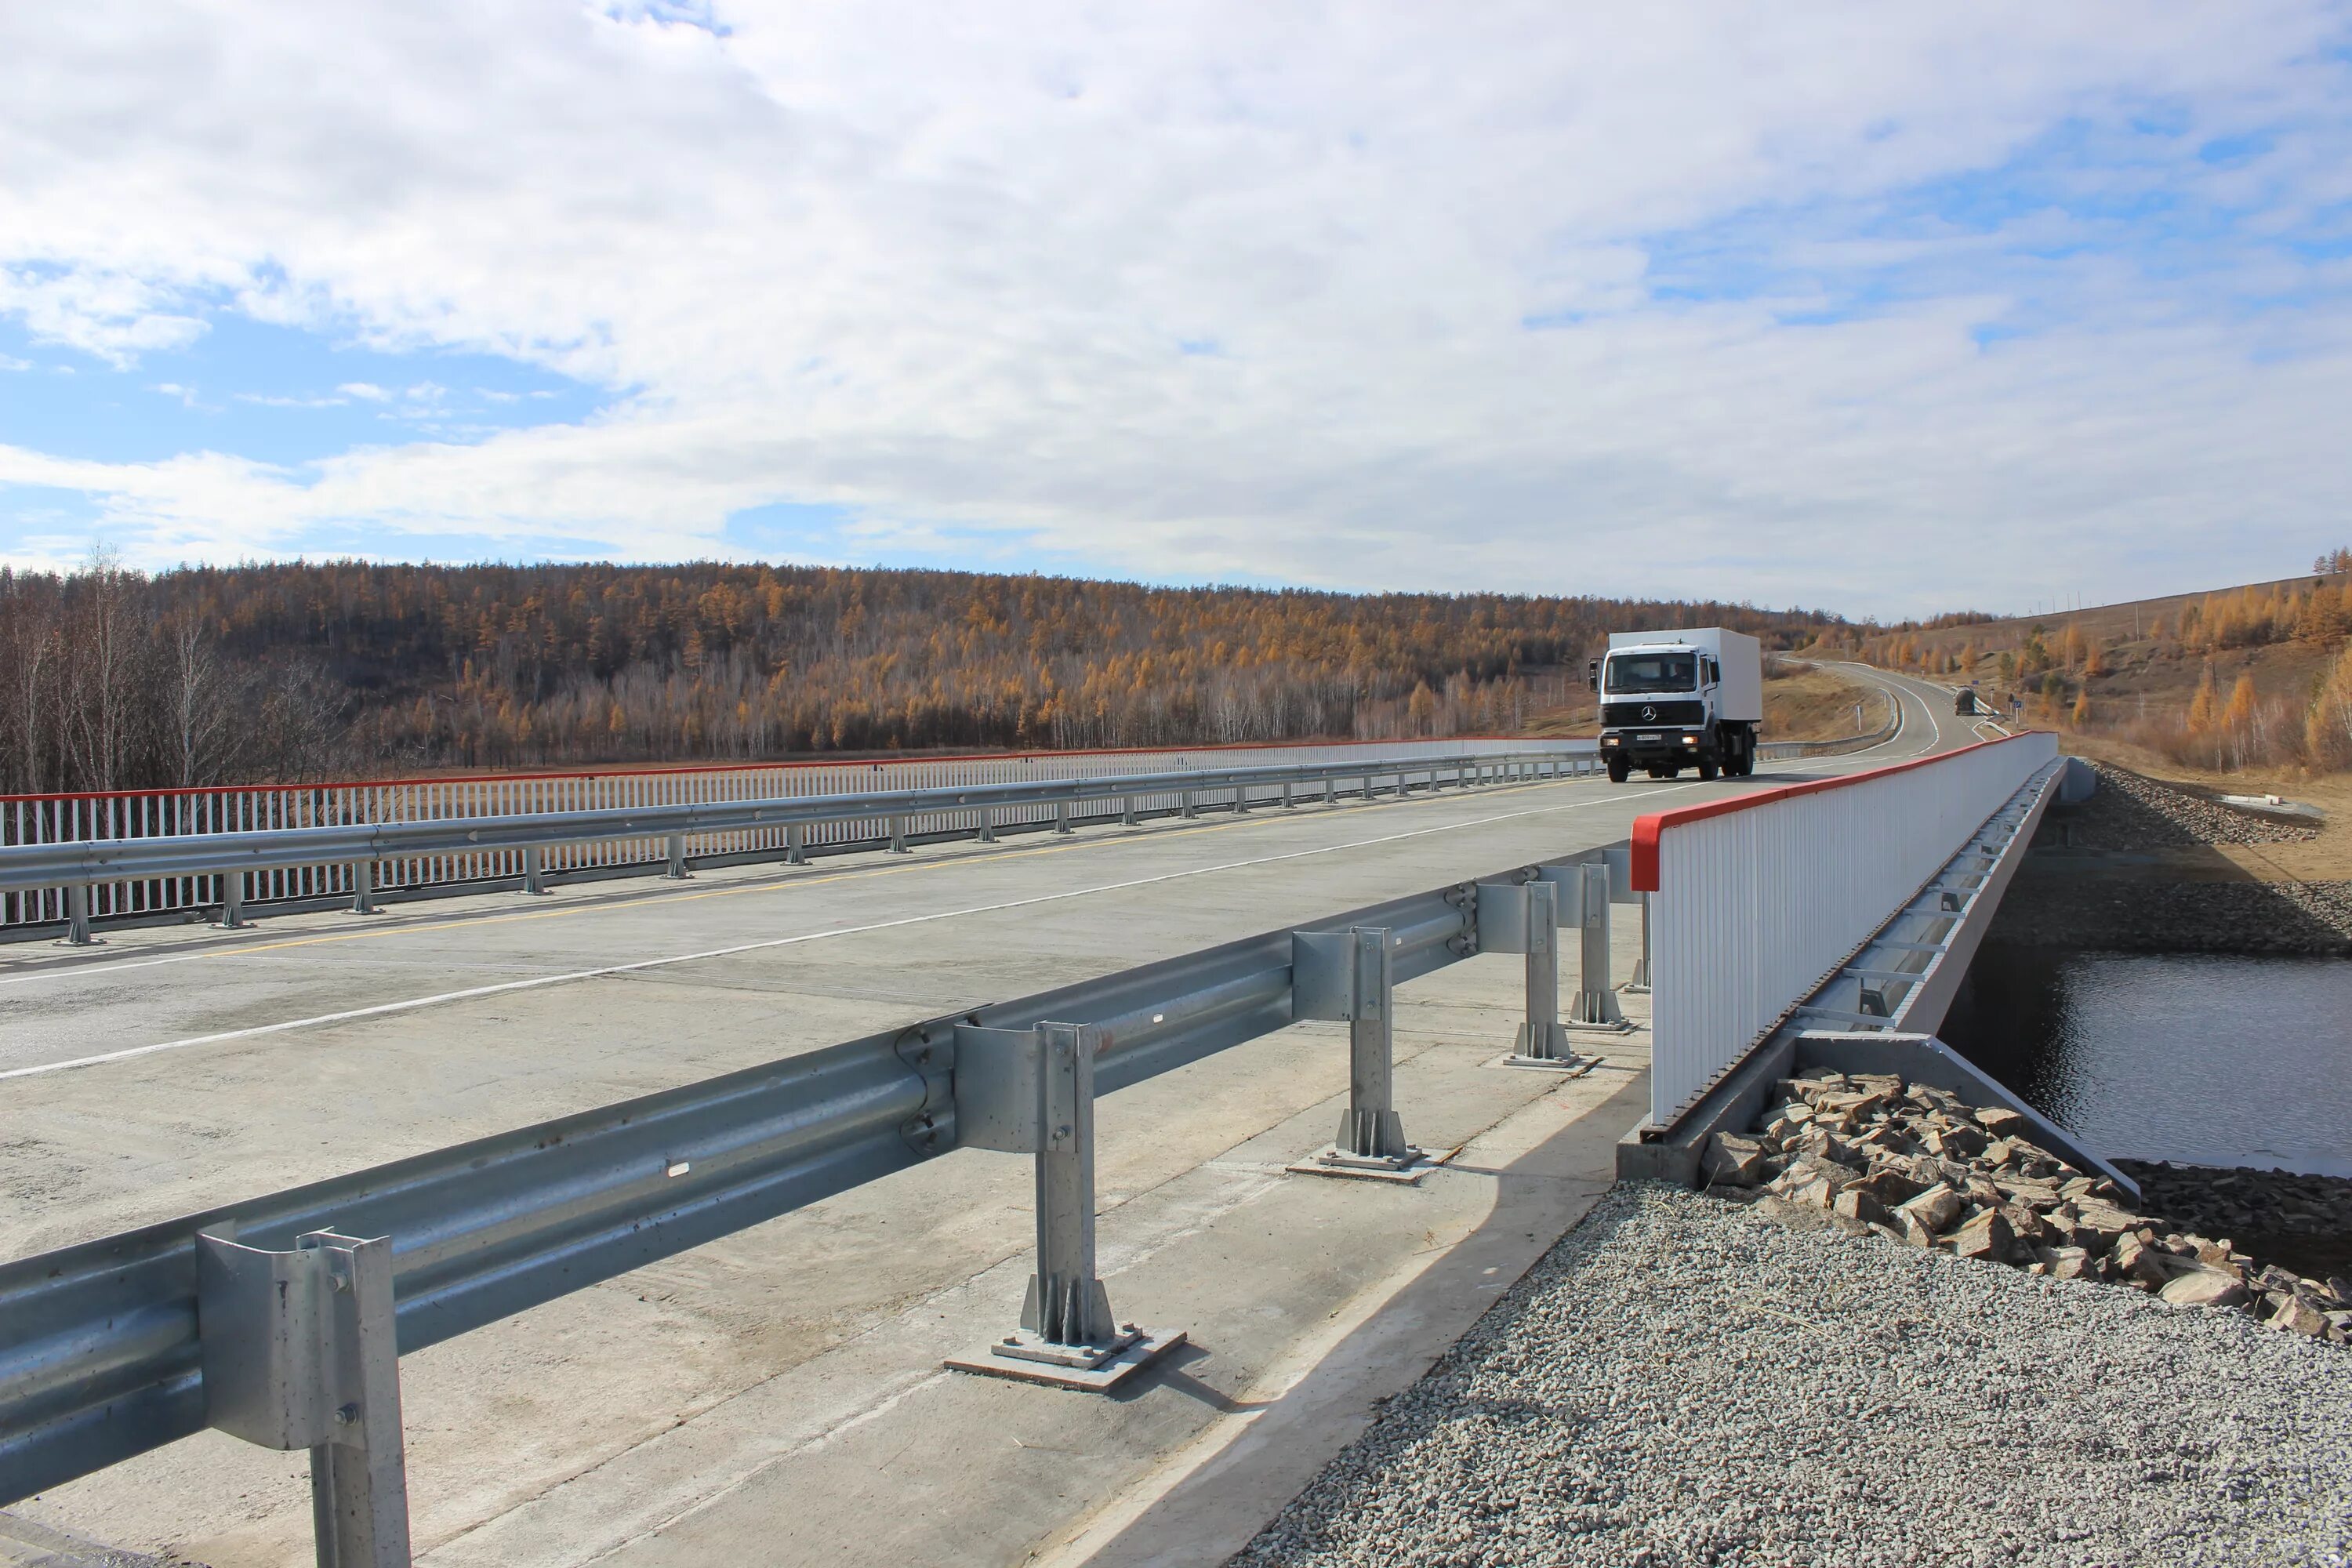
(1690, 740)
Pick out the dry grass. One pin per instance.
(1810, 703)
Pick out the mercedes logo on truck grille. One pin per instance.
(1649, 713)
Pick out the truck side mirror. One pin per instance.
(1592, 674)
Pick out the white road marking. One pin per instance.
(537, 982)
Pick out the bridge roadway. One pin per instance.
(774, 1397)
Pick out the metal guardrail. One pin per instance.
(246, 808)
(278, 1319)
(226, 863)
(1756, 900)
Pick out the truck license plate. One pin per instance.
(1649, 737)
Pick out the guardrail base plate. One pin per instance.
(1406, 1169)
(1567, 1066)
(1139, 1352)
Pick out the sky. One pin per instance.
(1888, 309)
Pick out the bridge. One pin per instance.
(788, 1150)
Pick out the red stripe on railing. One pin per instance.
(1647, 830)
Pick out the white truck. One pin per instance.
(1676, 700)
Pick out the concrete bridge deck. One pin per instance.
(775, 1397)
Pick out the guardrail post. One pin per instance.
(1331, 789)
(1062, 816)
(1034, 1090)
(898, 836)
(77, 917)
(299, 1351)
(1596, 1006)
(676, 870)
(1347, 975)
(1639, 984)
(363, 887)
(1190, 810)
(1287, 802)
(1127, 811)
(988, 824)
(1524, 917)
(534, 871)
(232, 918)
(1241, 800)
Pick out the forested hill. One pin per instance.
(112, 679)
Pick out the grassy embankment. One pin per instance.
(2237, 692)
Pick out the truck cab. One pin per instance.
(1671, 700)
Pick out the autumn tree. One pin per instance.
(2328, 725)
(2204, 706)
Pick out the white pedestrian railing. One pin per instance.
(1756, 901)
(28, 821)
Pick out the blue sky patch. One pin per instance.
(275, 394)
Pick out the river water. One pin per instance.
(2208, 1060)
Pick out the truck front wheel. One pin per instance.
(1619, 770)
(1707, 769)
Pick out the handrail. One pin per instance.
(1755, 899)
(1649, 827)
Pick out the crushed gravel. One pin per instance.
(1684, 1380)
(2131, 811)
(2073, 896)
(2054, 908)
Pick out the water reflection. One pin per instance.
(2211, 1060)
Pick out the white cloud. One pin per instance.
(10, 362)
(107, 313)
(940, 265)
(274, 400)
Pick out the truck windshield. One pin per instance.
(1632, 672)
